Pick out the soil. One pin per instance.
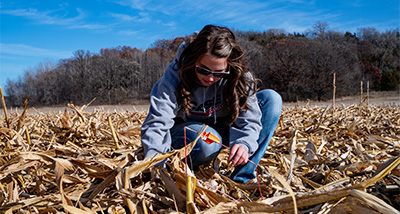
(391, 98)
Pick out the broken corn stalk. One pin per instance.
(190, 189)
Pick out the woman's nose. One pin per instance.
(210, 77)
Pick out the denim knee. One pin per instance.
(202, 152)
(271, 99)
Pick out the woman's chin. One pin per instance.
(207, 83)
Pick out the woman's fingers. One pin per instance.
(238, 155)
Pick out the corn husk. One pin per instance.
(79, 161)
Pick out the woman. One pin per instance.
(209, 83)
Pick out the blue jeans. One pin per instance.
(270, 104)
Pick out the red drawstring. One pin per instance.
(210, 138)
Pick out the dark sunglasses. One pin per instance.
(205, 71)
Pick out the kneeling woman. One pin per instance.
(209, 83)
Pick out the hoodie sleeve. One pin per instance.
(164, 107)
(246, 129)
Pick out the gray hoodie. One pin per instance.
(208, 106)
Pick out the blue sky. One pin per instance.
(34, 32)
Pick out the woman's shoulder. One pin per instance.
(249, 75)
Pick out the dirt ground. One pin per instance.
(375, 98)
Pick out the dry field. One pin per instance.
(375, 98)
(82, 160)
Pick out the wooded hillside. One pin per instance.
(298, 65)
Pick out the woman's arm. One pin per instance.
(163, 109)
(246, 129)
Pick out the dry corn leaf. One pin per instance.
(58, 161)
(373, 201)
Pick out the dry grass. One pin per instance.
(91, 162)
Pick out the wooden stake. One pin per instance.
(334, 92)
(361, 92)
(368, 93)
(4, 108)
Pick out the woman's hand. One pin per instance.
(238, 155)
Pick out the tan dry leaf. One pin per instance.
(172, 189)
(310, 154)
(66, 120)
(374, 202)
(21, 120)
(74, 210)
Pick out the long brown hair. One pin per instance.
(220, 42)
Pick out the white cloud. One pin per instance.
(143, 17)
(128, 32)
(123, 17)
(51, 18)
(135, 4)
(170, 24)
(26, 50)
(139, 4)
(291, 15)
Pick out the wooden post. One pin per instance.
(368, 93)
(361, 92)
(334, 92)
(3, 102)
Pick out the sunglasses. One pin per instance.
(205, 71)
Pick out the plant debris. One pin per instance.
(320, 160)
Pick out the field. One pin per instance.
(83, 159)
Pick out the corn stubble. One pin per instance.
(319, 161)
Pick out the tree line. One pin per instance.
(297, 65)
